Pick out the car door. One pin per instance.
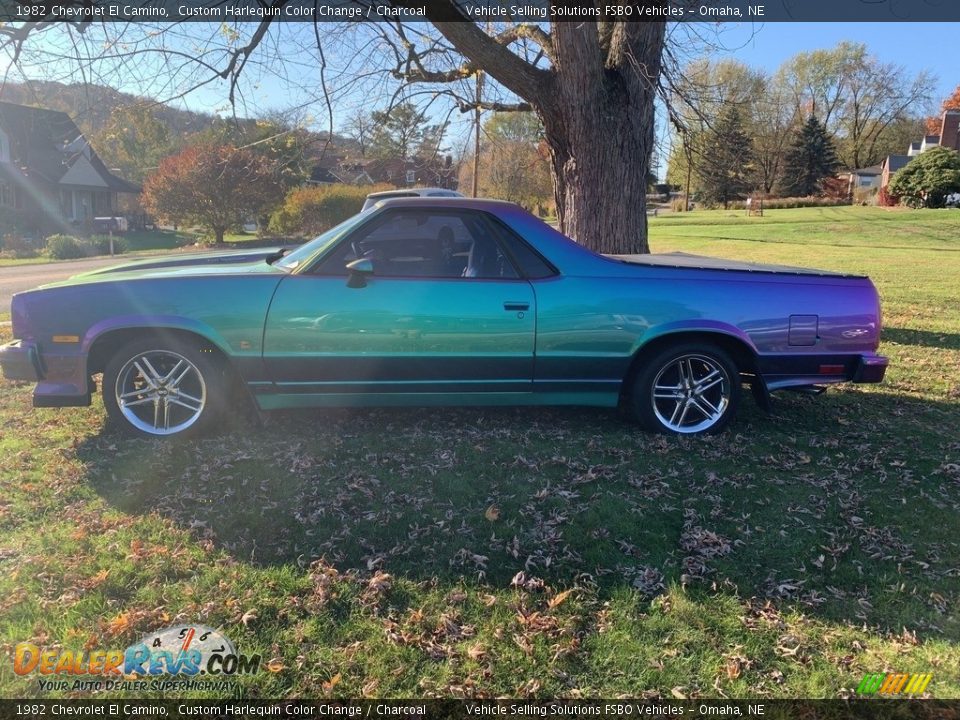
(444, 311)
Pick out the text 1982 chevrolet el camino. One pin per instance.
(441, 302)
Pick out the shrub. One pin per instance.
(15, 246)
(928, 179)
(100, 245)
(64, 247)
(864, 196)
(678, 205)
(793, 202)
(887, 199)
(312, 210)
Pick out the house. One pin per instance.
(50, 177)
(949, 137)
(394, 171)
(866, 178)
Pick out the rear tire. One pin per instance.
(688, 389)
(163, 388)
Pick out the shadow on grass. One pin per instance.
(922, 338)
(837, 504)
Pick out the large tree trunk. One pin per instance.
(596, 104)
(599, 128)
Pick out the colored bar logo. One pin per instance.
(894, 683)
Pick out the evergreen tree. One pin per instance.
(810, 159)
(724, 159)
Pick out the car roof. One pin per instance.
(448, 202)
(417, 190)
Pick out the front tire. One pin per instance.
(163, 388)
(688, 389)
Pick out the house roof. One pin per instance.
(47, 144)
(895, 162)
(872, 170)
(320, 174)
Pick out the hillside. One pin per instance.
(90, 106)
(135, 141)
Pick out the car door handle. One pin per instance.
(514, 306)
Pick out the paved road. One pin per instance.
(16, 278)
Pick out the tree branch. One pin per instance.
(469, 106)
(496, 59)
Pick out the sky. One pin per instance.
(916, 46)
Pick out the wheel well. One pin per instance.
(741, 353)
(106, 345)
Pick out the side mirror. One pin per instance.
(359, 269)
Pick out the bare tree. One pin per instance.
(359, 128)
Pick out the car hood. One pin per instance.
(704, 262)
(192, 260)
(234, 263)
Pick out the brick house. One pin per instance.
(50, 177)
(949, 137)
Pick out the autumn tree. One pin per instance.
(279, 140)
(935, 122)
(514, 161)
(133, 140)
(214, 186)
(810, 159)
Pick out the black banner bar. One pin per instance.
(534, 11)
(442, 709)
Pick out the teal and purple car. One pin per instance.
(441, 301)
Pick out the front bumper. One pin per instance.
(20, 360)
(62, 380)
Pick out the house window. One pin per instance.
(411, 176)
(6, 195)
(4, 147)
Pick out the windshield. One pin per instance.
(303, 253)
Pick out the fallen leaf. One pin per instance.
(492, 514)
(331, 683)
(248, 617)
(557, 599)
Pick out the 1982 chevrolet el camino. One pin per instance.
(441, 302)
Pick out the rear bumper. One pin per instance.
(786, 371)
(871, 369)
(62, 380)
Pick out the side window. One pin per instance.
(423, 243)
(528, 260)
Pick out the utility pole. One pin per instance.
(476, 134)
(476, 128)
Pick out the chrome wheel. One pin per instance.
(160, 392)
(691, 393)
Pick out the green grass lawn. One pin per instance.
(533, 552)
